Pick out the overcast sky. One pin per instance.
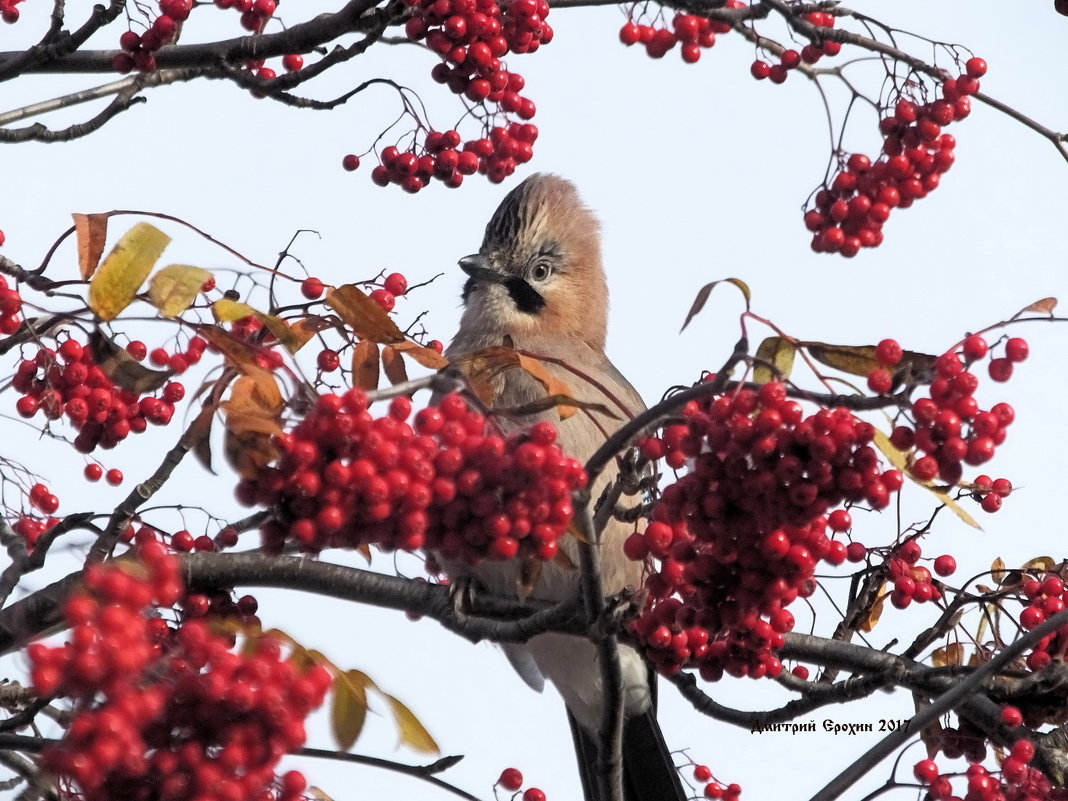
(697, 173)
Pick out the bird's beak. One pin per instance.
(478, 268)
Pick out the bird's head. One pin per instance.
(538, 272)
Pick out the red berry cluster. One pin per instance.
(471, 36)
(139, 50)
(1017, 780)
(10, 305)
(9, 13)
(446, 483)
(169, 715)
(31, 528)
(912, 581)
(67, 380)
(949, 428)
(713, 788)
(694, 32)
(792, 59)
(850, 212)
(511, 780)
(1045, 598)
(740, 534)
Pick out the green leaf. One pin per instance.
(349, 709)
(115, 283)
(174, 288)
(775, 351)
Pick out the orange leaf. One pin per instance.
(952, 654)
(365, 362)
(366, 318)
(876, 611)
(553, 385)
(304, 329)
(393, 365)
(427, 357)
(1044, 306)
(91, 231)
(237, 352)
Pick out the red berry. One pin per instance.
(760, 70)
(1000, 369)
(396, 284)
(293, 62)
(511, 779)
(350, 162)
(945, 565)
(975, 67)
(1011, 716)
(926, 771)
(328, 360)
(1016, 349)
(384, 298)
(312, 288)
(93, 471)
(114, 477)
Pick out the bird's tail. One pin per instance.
(649, 772)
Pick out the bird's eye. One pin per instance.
(541, 271)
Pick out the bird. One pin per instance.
(537, 284)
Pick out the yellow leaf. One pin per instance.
(706, 290)
(365, 361)
(427, 357)
(173, 289)
(900, 460)
(124, 369)
(91, 231)
(779, 353)
(348, 712)
(412, 732)
(115, 284)
(227, 311)
(366, 318)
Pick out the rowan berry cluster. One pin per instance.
(67, 380)
(1045, 598)
(949, 428)
(447, 482)
(1017, 780)
(715, 789)
(10, 305)
(472, 36)
(139, 50)
(167, 714)
(740, 534)
(511, 780)
(792, 59)
(850, 211)
(913, 581)
(9, 13)
(695, 33)
(31, 528)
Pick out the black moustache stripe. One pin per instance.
(524, 296)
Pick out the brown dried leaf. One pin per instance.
(198, 436)
(997, 570)
(706, 290)
(876, 611)
(253, 413)
(305, 328)
(173, 289)
(365, 361)
(558, 401)
(427, 357)
(779, 352)
(1040, 563)
(932, 734)
(412, 733)
(124, 369)
(366, 318)
(951, 654)
(483, 366)
(348, 712)
(393, 365)
(1044, 306)
(255, 395)
(248, 452)
(238, 353)
(91, 231)
(114, 285)
(860, 359)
